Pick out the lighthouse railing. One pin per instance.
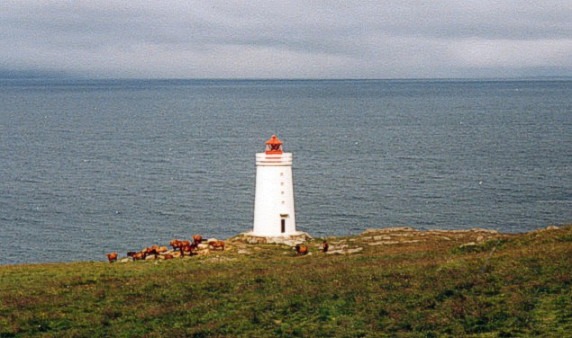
(274, 159)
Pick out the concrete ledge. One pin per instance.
(291, 240)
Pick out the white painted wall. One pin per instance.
(274, 195)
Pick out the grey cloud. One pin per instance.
(277, 38)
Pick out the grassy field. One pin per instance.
(403, 283)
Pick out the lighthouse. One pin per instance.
(274, 193)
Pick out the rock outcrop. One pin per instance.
(291, 240)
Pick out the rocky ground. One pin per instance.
(245, 244)
(406, 235)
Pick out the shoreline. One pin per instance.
(389, 236)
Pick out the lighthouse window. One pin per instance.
(276, 147)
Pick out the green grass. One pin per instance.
(515, 285)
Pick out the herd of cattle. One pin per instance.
(182, 248)
(189, 248)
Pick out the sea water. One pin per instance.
(89, 167)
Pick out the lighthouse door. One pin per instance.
(283, 225)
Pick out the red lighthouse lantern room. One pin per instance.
(273, 146)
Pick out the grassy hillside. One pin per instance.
(401, 282)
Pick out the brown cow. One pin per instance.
(217, 245)
(153, 250)
(301, 249)
(197, 239)
(325, 247)
(141, 255)
(112, 257)
(191, 249)
(175, 243)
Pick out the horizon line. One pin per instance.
(88, 78)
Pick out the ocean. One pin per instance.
(95, 166)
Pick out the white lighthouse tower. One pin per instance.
(274, 194)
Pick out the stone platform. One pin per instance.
(290, 240)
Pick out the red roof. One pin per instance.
(274, 145)
(274, 140)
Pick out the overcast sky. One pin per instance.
(287, 39)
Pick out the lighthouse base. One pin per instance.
(292, 239)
